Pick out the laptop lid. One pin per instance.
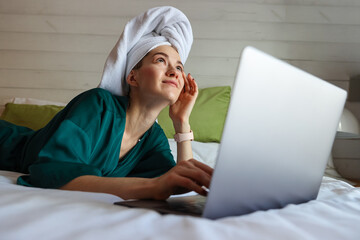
(277, 137)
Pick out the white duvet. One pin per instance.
(31, 213)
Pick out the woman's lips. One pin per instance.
(173, 83)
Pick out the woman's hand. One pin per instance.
(180, 111)
(186, 176)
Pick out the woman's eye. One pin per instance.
(179, 68)
(160, 60)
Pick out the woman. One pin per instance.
(105, 142)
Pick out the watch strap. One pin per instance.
(181, 137)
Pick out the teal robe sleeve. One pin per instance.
(62, 159)
(83, 139)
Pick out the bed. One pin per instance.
(33, 213)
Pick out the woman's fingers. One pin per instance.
(190, 185)
(186, 83)
(201, 178)
(202, 166)
(182, 178)
(186, 176)
(195, 171)
(192, 83)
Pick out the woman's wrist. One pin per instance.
(157, 189)
(182, 127)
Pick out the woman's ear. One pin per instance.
(132, 79)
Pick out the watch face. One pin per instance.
(176, 138)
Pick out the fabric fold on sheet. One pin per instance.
(155, 27)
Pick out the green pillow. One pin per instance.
(208, 116)
(28, 115)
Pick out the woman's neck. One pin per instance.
(140, 116)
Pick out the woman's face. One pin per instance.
(161, 75)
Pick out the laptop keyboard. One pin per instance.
(192, 204)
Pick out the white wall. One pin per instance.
(53, 49)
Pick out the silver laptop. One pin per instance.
(277, 138)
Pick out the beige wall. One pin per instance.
(53, 49)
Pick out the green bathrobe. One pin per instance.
(82, 139)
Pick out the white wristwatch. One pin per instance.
(180, 137)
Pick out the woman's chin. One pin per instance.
(172, 98)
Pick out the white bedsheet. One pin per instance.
(31, 213)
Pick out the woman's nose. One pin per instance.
(171, 72)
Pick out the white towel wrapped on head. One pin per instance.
(156, 27)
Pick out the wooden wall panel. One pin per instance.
(80, 43)
(50, 45)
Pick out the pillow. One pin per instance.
(26, 101)
(208, 116)
(4, 101)
(29, 115)
(35, 101)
